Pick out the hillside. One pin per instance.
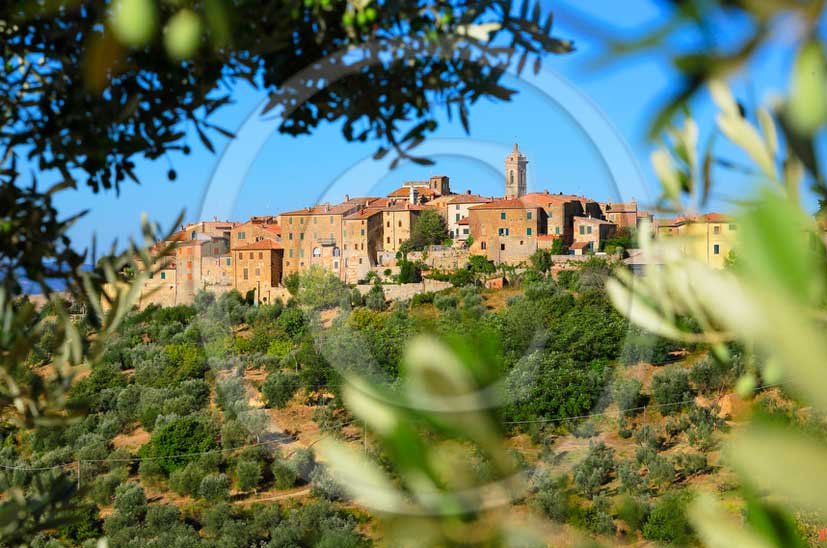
(202, 421)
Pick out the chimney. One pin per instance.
(347, 197)
(326, 208)
(468, 192)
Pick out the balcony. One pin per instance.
(327, 241)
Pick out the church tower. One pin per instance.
(515, 171)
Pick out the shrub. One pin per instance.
(302, 463)
(228, 393)
(83, 523)
(628, 472)
(130, 502)
(661, 471)
(356, 298)
(284, 477)
(186, 480)
(325, 486)
(248, 474)
(409, 273)
(320, 289)
(567, 279)
(190, 434)
(710, 375)
(291, 282)
(279, 388)
(626, 394)
(445, 302)
(667, 521)
(214, 487)
(594, 470)
(422, 298)
(671, 389)
(692, 463)
(375, 298)
(633, 511)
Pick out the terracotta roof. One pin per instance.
(548, 237)
(405, 191)
(579, 245)
(592, 220)
(516, 203)
(275, 229)
(363, 213)
(469, 199)
(706, 218)
(380, 202)
(325, 209)
(179, 236)
(261, 244)
(463, 221)
(403, 206)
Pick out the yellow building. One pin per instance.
(708, 238)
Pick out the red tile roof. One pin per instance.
(325, 209)
(261, 244)
(405, 191)
(579, 245)
(463, 221)
(363, 213)
(469, 199)
(516, 203)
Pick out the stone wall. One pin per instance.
(406, 291)
(443, 258)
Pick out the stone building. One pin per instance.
(506, 231)
(362, 241)
(515, 174)
(191, 258)
(255, 229)
(257, 266)
(590, 233)
(314, 235)
(214, 228)
(708, 238)
(623, 214)
(398, 221)
(560, 211)
(456, 209)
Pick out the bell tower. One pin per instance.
(515, 174)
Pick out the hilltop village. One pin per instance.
(370, 234)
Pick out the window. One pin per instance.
(315, 235)
(582, 229)
(301, 220)
(241, 235)
(240, 255)
(528, 231)
(290, 254)
(465, 231)
(331, 219)
(457, 217)
(317, 251)
(557, 230)
(482, 245)
(336, 252)
(521, 242)
(228, 261)
(716, 249)
(399, 224)
(502, 215)
(360, 260)
(301, 235)
(732, 227)
(251, 254)
(192, 235)
(289, 235)
(163, 275)
(503, 232)
(388, 224)
(260, 255)
(301, 253)
(258, 272)
(362, 232)
(389, 239)
(589, 229)
(502, 247)
(528, 215)
(716, 229)
(290, 220)
(246, 274)
(335, 265)
(315, 220)
(456, 207)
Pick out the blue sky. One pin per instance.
(583, 130)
